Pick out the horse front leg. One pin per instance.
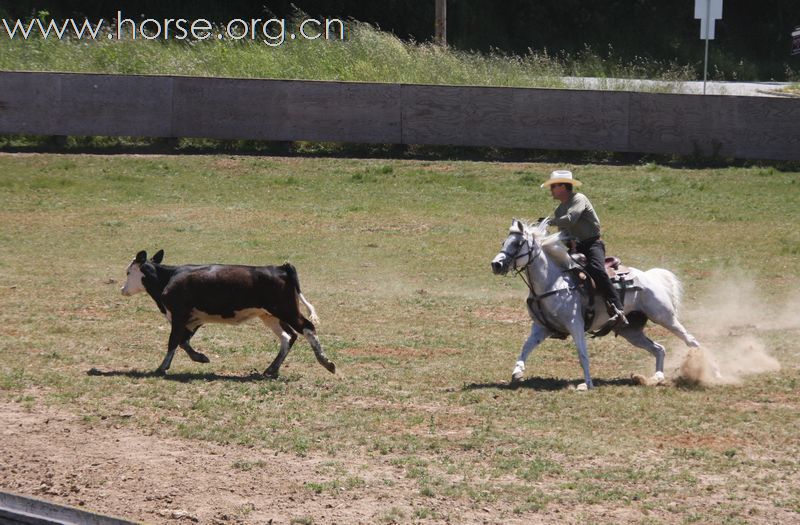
(579, 336)
(538, 334)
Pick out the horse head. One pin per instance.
(517, 250)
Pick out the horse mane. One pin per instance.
(552, 243)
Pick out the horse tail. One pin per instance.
(669, 281)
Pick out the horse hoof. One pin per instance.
(658, 378)
(516, 377)
(582, 388)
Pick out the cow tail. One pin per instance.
(291, 273)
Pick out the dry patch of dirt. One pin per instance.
(503, 314)
(227, 163)
(718, 442)
(400, 352)
(110, 468)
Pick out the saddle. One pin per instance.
(619, 275)
(614, 266)
(620, 278)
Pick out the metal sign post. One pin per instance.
(708, 11)
(441, 23)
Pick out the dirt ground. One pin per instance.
(112, 469)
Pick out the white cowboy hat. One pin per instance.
(561, 177)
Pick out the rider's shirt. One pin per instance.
(577, 217)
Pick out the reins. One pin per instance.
(538, 312)
(521, 273)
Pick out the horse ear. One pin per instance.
(516, 226)
(158, 257)
(140, 257)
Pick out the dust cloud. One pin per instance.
(732, 321)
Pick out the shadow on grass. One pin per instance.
(549, 384)
(185, 377)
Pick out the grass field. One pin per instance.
(395, 256)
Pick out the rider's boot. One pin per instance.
(617, 317)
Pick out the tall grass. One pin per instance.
(366, 54)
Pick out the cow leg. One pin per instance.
(287, 337)
(194, 355)
(302, 325)
(311, 336)
(322, 359)
(176, 336)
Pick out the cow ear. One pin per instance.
(140, 257)
(158, 257)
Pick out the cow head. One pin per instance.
(138, 270)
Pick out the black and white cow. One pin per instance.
(193, 295)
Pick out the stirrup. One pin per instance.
(618, 319)
(615, 322)
(616, 316)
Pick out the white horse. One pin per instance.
(557, 305)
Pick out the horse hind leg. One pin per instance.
(636, 337)
(677, 328)
(673, 325)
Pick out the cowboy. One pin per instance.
(576, 216)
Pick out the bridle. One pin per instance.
(520, 270)
(534, 297)
(517, 255)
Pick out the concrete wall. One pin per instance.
(282, 110)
